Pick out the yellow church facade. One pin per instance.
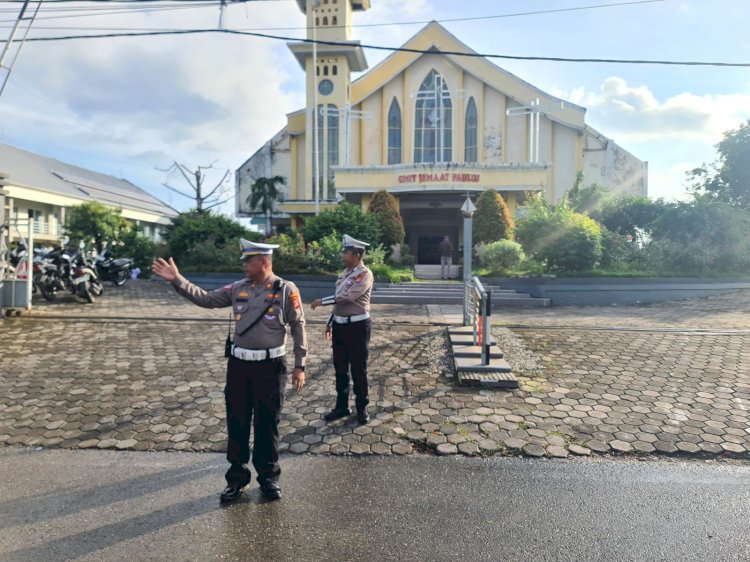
(429, 125)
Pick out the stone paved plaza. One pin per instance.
(142, 369)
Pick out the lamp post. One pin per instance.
(315, 141)
(467, 210)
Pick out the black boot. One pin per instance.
(270, 490)
(342, 408)
(232, 492)
(362, 416)
(336, 413)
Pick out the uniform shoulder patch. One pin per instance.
(295, 298)
(361, 277)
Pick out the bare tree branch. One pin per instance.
(178, 191)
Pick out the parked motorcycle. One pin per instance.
(56, 274)
(84, 277)
(116, 270)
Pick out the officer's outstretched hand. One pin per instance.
(298, 379)
(166, 270)
(329, 333)
(316, 303)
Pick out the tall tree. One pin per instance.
(492, 221)
(385, 209)
(263, 194)
(97, 221)
(728, 178)
(203, 201)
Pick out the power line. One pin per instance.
(390, 49)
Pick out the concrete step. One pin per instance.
(487, 379)
(414, 299)
(433, 271)
(475, 351)
(474, 364)
(525, 301)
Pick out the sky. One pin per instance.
(130, 107)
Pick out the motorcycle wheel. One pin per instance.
(122, 277)
(97, 287)
(47, 293)
(87, 292)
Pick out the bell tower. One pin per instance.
(328, 66)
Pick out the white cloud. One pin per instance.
(634, 113)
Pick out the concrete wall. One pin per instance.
(273, 159)
(608, 164)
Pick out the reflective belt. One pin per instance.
(350, 319)
(257, 354)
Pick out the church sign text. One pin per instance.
(440, 177)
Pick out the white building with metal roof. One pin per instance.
(43, 189)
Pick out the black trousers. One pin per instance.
(351, 348)
(254, 388)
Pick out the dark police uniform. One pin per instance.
(351, 328)
(257, 368)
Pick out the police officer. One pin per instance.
(262, 305)
(349, 329)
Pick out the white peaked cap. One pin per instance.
(350, 242)
(256, 248)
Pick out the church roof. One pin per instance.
(438, 40)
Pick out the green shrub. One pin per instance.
(291, 255)
(343, 219)
(385, 210)
(325, 254)
(558, 237)
(620, 251)
(132, 244)
(391, 274)
(492, 220)
(375, 256)
(503, 255)
(206, 242)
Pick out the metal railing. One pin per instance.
(477, 313)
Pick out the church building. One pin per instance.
(428, 124)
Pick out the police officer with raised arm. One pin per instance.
(349, 329)
(262, 305)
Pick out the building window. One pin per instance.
(335, 70)
(433, 121)
(325, 20)
(333, 146)
(394, 133)
(334, 20)
(325, 70)
(317, 21)
(470, 133)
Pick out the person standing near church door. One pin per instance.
(446, 257)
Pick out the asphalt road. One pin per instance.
(105, 505)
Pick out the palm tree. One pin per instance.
(263, 194)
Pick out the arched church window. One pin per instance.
(335, 70)
(394, 133)
(470, 132)
(325, 70)
(325, 20)
(334, 20)
(433, 133)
